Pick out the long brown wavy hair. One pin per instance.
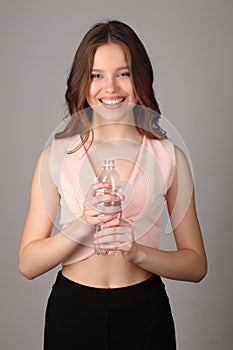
(79, 111)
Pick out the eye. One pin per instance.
(123, 74)
(96, 76)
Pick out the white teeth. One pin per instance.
(112, 102)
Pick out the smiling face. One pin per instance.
(111, 83)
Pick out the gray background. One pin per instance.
(191, 49)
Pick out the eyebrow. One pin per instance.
(102, 70)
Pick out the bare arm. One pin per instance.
(38, 251)
(188, 262)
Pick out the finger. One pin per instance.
(90, 212)
(105, 200)
(116, 248)
(113, 249)
(110, 223)
(104, 219)
(100, 219)
(113, 239)
(115, 230)
(94, 187)
(100, 251)
(108, 215)
(113, 236)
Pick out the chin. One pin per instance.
(114, 113)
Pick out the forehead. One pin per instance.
(111, 54)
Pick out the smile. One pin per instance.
(112, 101)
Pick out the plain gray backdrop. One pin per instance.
(191, 49)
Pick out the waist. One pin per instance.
(67, 288)
(105, 272)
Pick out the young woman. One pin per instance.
(113, 297)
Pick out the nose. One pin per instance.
(110, 84)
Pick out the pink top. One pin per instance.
(145, 192)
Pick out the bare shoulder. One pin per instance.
(183, 165)
(42, 169)
(45, 154)
(180, 155)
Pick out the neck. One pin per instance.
(116, 131)
(114, 126)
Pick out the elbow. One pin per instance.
(199, 277)
(200, 273)
(25, 271)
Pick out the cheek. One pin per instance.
(133, 94)
(91, 91)
(129, 88)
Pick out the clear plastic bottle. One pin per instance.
(111, 176)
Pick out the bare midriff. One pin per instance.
(105, 272)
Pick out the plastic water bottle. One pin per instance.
(111, 176)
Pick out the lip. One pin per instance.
(111, 102)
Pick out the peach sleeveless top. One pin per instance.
(144, 192)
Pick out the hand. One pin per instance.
(83, 229)
(115, 239)
(94, 213)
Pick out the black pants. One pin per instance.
(134, 317)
